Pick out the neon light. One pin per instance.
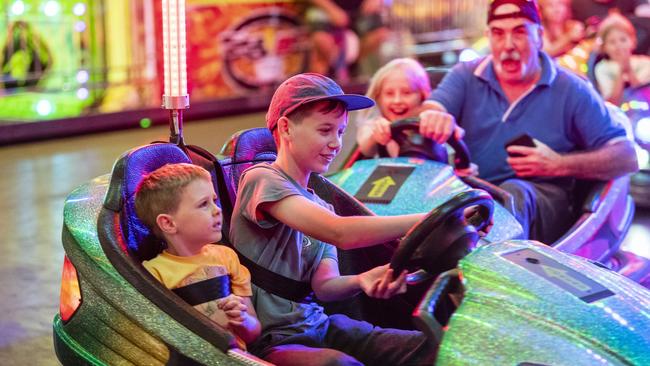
(18, 8)
(639, 105)
(82, 76)
(80, 26)
(643, 157)
(468, 54)
(82, 93)
(642, 130)
(51, 8)
(44, 107)
(79, 9)
(174, 45)
(145, 122)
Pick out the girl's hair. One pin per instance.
(160, 191)
(615, 21)
(414, 72)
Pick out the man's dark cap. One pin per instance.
(502, 9)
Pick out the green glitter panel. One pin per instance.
(511, 315)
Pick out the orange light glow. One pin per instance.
(70, 297)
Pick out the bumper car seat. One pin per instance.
(127, 241)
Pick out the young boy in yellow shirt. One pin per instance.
(177, 202)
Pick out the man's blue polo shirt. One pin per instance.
(561, 110)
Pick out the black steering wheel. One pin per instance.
(444, 236)
(406, 133)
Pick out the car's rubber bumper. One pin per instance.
(68, 351)
(640, 188)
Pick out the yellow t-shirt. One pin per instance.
(213, 261)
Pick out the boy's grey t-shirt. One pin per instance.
(277, 247)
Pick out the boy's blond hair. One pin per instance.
(414, 72)
(615, 21)
(160, 191)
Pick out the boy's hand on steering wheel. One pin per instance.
(379, 283)
(469, 214)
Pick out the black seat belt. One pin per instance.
(277, 284)
(203, 291)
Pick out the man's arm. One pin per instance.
(610, 161)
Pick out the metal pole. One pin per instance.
(175, 97)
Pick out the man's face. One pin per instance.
(514, 43)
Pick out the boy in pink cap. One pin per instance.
(284, 227)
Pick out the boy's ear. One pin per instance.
(283, 126)
(166, 223)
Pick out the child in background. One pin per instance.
(284, 227)
(401, 88)
(561, 31)
(344, 32)
(621, 69)
(177, 203)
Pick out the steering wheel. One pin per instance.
(444, 236)
(406, 133)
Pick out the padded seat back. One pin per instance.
(127, 242)
(243, 150)
(211, 163)
(127, 173)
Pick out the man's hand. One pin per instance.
(378, 282)
(234, 308)
(438, 126)
(539, 161)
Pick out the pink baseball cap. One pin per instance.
(306, 88)
(501, 9)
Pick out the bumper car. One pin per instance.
(421, 178)
(637, 107)
(513, 302)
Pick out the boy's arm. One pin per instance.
(345, 232)
(378, 282)
(242, 319)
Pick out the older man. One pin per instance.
(519, 90)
